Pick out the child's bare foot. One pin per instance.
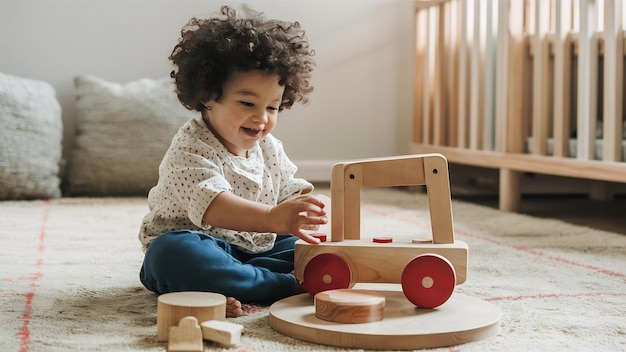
(233, 308)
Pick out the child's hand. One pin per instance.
(304, 212)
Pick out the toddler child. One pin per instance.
(227, 207)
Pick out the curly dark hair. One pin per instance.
(210, 50)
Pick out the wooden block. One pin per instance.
(223, 332)
(172, 307)
(349, 306)
(186, 337)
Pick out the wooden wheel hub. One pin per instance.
(428, 280)
(326, 272)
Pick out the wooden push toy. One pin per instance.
(428, 272)
(426, 314)
(178, 314)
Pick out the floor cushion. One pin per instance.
(31, 134)
(122, 133)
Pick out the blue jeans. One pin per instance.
(193, 261)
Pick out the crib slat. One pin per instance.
(613, 80)
(502, 76)
(463, 74)
(427, 79)
(434, 45)
(439, 80)
(540, 77)
(421, 32)
(477, 65)
(516, 67)
(587, 78)
(562, 64)
(489, 75)
(452, 84)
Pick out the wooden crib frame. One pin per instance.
(521, 86)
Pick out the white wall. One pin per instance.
(362, 104)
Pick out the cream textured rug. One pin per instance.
(68, 278)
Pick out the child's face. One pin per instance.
(247, 110)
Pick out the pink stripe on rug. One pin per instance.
(541, 254)
(24, 331)
(554, 295)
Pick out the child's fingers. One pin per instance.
(308, 238)
(310, 227)
(313, 200)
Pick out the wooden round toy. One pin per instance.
(349, 306)
(428, 280)
(172, 307)
(325, 272)
(321, 236)
(404, 327)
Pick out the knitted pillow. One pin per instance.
(30, 139)
(122, 133)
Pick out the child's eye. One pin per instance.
(246, 103)
(272, 108)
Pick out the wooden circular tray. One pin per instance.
(460, 320)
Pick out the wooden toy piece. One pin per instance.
(349, 306)
(321, 236)
(380, 261)
(348, 178)
(382, 239)
(367, 262)
(172, 307)
(403, 327)
(430, 267)
(222, 332)
(186, 337)
(428, 280)
(326, 272)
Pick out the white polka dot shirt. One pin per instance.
(197, 167)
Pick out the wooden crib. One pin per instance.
(523, 86)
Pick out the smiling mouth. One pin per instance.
(252, 132)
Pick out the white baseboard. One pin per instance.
(315, 170)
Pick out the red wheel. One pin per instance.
(326, 272)
(428, 280)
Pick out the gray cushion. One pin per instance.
(122, 133)
(31, 133)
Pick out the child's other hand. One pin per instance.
(304, 212)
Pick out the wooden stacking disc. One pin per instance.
(172, 307)
(404, 327)
(349, 306)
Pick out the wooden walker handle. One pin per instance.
(348, 178)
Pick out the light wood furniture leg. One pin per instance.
(510, 191)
